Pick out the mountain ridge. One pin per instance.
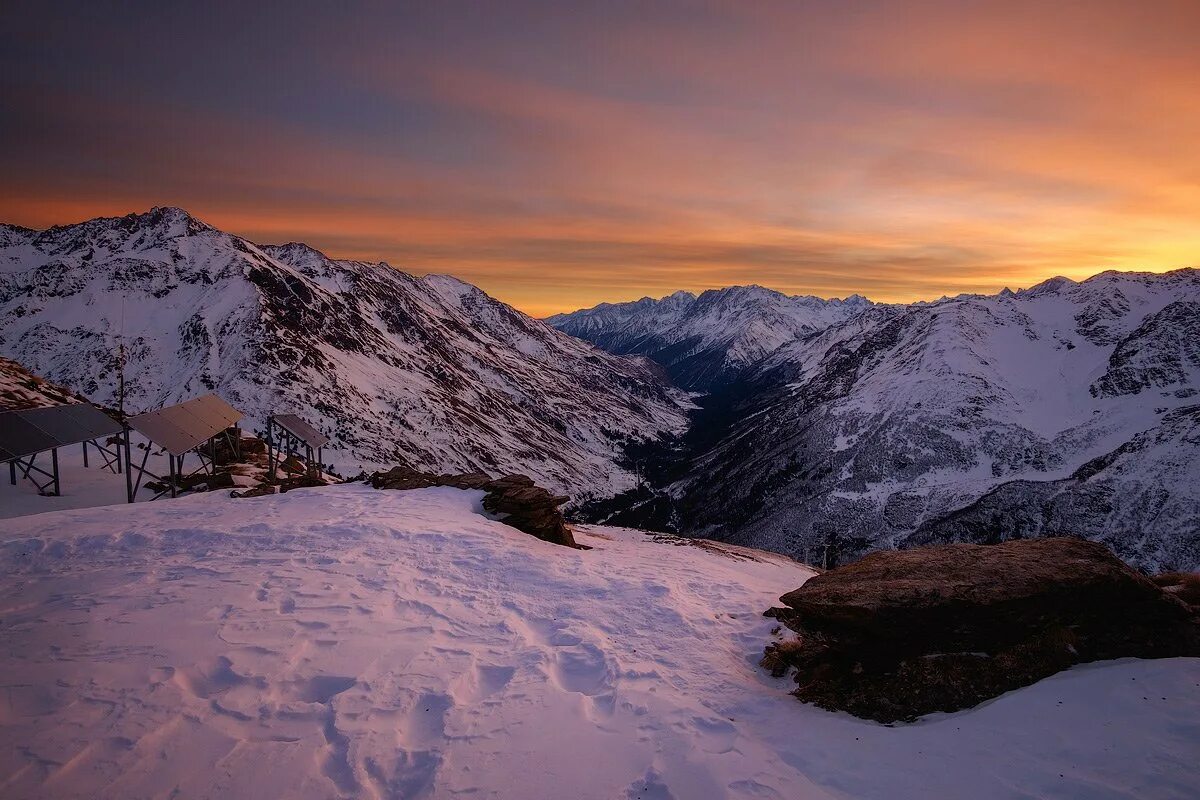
(1062, 409)
(397, 368)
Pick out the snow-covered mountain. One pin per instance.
(705, 340)
(429, 371)
(1067, 408)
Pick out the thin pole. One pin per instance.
(12, 472)
(85, 461)
(171, 468)
(128, 467)
(54, 468)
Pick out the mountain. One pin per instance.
(428, 371)
(704, 340)
(1065, 409)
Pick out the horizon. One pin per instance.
(562, 156)
(655, 298)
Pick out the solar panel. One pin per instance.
(209, 416)
(58, 423)
(182, 427)
(301, 430)
(94, 421)
(216, 405)
(35, 430)
(158, 428)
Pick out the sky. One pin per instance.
(561, 154)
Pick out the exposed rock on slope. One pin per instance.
(904, 633)
(427, 371)
(515, 499)
(21, 389)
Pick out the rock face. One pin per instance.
(516, 499)
(900, 634)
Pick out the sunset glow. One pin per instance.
(560, 155)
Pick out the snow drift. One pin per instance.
(348, 642)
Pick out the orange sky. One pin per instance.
(559, 155)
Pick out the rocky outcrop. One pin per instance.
(530, 508)
(515, 499)
(900, 634)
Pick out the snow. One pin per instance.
(80, 486)
(347, 642)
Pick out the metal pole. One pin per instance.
(270, 450)
(12, 472)
(171, 467)
(54, 468)
(85, 461)
(128, 467)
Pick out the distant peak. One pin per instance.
(1049, 286)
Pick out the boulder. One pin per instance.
(514, 499)
(900, 634)
(402, 477)
(529, 508)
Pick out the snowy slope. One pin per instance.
(705, 340)
(430, 371)
(346, 642)
(903, 417)
(20, 389)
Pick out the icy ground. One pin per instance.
(349, 642)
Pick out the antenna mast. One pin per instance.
(121, 365)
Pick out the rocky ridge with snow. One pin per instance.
(21, 389)
(430, 372)
(1070, 408)
(705, 340)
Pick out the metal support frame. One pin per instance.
(52, 485)
(288, 445)
(175, 474)
(29, 468)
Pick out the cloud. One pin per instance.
(562, 155)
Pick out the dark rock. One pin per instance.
(402, 478)
(203, 482)
(302, 481)
(255, 491)
(1185, 586)
(469, 480)
(526, 507)
(515, 499)
(900, 634)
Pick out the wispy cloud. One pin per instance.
(563, 154)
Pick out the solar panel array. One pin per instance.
(180, 428)
(301, 430)
(35, 430)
